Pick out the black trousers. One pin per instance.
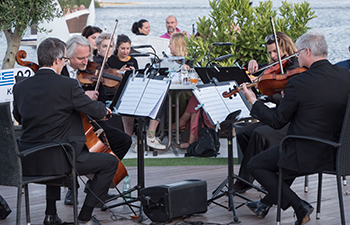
(119, 141)
(103, 166)
(264, 168)
(256, 138)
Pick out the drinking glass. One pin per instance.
(184, 75)
(193, 77)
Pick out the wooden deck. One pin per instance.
(214, 175)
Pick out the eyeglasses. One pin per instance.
(269, 38)
(298, 52)
(66, 59)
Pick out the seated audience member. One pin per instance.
(58, 120)
(308, 115)
(122, 61)
(171, 26)
(141, 27)
(345, 63)
(91, 33)
(190, 118)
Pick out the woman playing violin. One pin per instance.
(257, 137)
(286, 47)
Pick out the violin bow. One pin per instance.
(105, 57)
(276, 42)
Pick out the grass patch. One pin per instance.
(197, 161)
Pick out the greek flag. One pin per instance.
(7, 78)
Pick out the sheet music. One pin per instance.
(218, 107)
(143, 97)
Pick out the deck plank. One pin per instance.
(213, 175)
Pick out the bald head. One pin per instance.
(171, 24)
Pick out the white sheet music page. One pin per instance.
(152, 98)
(218, 107)
(131, 96)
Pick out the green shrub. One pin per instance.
(254, 25)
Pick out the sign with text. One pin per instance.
(7, 80)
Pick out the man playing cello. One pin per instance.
(48, 106)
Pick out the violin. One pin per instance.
(110, 77)
(270, 82)
(21, 54)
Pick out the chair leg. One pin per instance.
(341, 203)
(75, 203)
(279, 195)
(306, 184)
(319, 195)
(26, 200)
(19, 201)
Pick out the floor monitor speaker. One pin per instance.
(164, 202)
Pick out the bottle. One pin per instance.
(126, 187)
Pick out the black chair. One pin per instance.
(11, 166)
(342, 169)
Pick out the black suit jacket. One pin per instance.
(48, 106)
(314, 104)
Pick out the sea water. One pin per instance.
(333, 20)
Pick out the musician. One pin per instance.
(48, 106)
(257, 137)
(79, 51)
(122, 61)
(102, 42)
(313, 109)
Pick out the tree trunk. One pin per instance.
(13, 43)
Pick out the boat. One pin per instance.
(62, 27)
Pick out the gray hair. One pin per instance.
(103, 36)
(49, 50)
(314, 41)
(73, 43)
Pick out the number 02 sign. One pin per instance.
(7, 80)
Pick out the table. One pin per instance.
(175, 89)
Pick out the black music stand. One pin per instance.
(230, 192)
(141, 143)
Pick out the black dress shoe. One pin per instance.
(69, 197)
(303, 213)
(259, 208)
(52, 220)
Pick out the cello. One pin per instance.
(93, 142)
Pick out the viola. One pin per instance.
(110, 77)
(21, 54)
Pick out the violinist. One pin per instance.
(314, 104)
(78, 52)
(91, 33)
(57, 114)
(122, 61)
(102, 42)
(257, 137)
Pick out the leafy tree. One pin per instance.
(253, 25)
(16, 16)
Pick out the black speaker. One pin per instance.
(164, 202)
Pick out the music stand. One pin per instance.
(122, 93)
(230, 192)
